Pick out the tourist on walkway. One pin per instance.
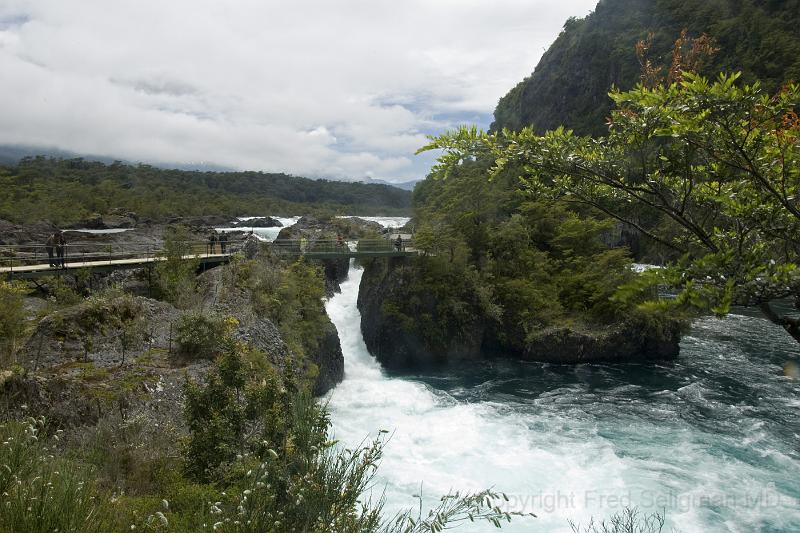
(399, 243)
(212, 243)
(223, 241)
(50, 247)
(61, 244)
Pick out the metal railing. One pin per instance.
(95, 254)
(22, 255)
(333, 247)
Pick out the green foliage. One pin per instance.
(570, 84)
(717, 159)
(40, 185)
(202, 335)
(500, 255)
(13, 323)
(300, 313)
(39, 493)
(175, 279)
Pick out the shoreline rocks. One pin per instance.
(265, 222)
(401, 343)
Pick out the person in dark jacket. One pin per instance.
(399, 243)
(50, 247)
(223, 241)
(212, 243)
(61, 245)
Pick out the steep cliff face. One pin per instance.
(571, 82)
(329, 360)
(400, 343)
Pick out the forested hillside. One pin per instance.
(571, 83)
(67, 191)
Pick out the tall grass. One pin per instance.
(41, 493)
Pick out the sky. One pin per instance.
(342, 89)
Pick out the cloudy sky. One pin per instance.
(324, 88)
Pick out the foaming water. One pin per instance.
(263, 234)
(712, 438)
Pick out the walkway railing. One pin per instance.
(28, 257)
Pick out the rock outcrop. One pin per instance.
(321, 235)
(265, 222)
(400, 342)
(329, 361)
(397, 343)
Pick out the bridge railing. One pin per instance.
(21, 255)
(12, 256)
(333, 246)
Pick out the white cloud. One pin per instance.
(339, 89)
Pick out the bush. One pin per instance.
(41, 493)
(201, 336)
(175, 279)
(12, 321)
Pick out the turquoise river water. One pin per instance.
(712, 439)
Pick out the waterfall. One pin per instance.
(571, 442)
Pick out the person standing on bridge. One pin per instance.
(223, 241)
(61, 245)
(399, 243)
(212, 242)
(50, 246)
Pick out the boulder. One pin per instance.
(266, 222)
(401, 342)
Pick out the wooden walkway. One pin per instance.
(44, 270)
(24, 262)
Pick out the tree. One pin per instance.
(716, 161)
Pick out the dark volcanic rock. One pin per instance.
(401, 344)
(624, 342)
(114, 221)
(36, 233)
(394, 344)
(329, 361)
(266, 222)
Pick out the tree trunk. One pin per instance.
(791, 325)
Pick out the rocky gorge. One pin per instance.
(402, 343)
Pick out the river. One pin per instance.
(710, 439)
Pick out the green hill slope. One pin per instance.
(68, 190)
(570, 85)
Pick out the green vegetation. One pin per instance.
(69, 191)
(716, 161)
(258, 458)
(13, 321)
(510, 261)
(200, 335)
(570, 84)
(288, 295)
(174, 279)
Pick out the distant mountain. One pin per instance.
(11, 155)
(571, 82)
(405, 185)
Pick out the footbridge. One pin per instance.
(33, 261)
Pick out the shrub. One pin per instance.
(175, 279)
(201, 336)
(12, 321)
(41, 493)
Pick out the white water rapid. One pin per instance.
(572, 442)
